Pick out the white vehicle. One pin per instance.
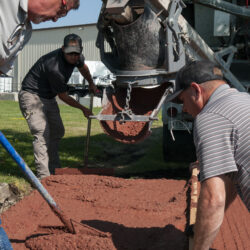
(102, 77)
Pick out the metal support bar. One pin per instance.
(155, 112)
(132, 117)
(175, 54)
(201, 50)
(116, 6)
(126, 118)
(86, 151)
(228, 7)
(218, 56)
(229, 52)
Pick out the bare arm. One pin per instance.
(84, 70)
(73, 103)
(210, 211)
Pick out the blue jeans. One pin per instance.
(4, 240)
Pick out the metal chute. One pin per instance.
(141, 47)
(144, 43)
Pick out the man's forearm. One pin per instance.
(70, 101)
(89, 78)
(86, 74)
(73, 103)
(210, 214)
(207, 225)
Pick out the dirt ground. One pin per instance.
(115, 213)
(123, 214)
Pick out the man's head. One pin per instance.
(72, 48)
(194, 84)
(45, 10)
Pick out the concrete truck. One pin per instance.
(145, 42)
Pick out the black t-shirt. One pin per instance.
(50, 74)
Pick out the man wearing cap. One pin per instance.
(16, 28)
(222, 140)
(47, 79)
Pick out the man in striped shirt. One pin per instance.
(222, 140)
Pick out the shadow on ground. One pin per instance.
(168, 237)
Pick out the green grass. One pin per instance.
(104, 151)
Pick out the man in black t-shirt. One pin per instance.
(47, 79)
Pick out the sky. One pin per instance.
(88, 12)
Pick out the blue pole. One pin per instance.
(36, 183)
(34, 180)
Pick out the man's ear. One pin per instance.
(63, 48)
(197, 89)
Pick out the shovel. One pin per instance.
(85, 169)
(36, 183)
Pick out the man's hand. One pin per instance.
(86, 112)
(93, 89)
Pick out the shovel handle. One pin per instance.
(24, 167)
(34, 180)
(86, 151)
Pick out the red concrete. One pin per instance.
(116, 214)
(85, 170)
(123, 214)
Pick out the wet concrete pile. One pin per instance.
(115, 213)
(121, 214)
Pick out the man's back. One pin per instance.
(49, 75)
(222, 135)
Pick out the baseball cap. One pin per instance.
(75, 48)
(196, 71)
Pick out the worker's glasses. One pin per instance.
(63, 10)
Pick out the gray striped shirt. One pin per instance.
(222, 138)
